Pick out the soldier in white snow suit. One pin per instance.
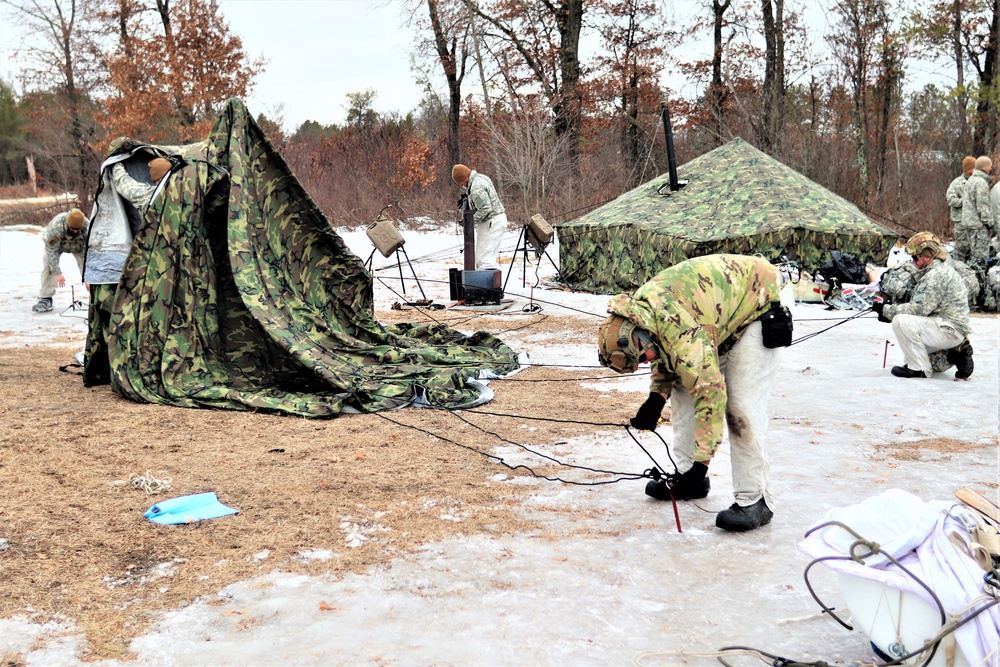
(65, 233)
(487, 212)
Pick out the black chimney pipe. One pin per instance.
(668, 134)
(468, 236)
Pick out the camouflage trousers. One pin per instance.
(919, 336)
(488, 237)
(749, 369)
(49, 279)
(971, 245)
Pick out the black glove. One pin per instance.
(649, 412)
(877, 306)
(462, 201)
(692, 484)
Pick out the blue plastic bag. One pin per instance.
(188, 509)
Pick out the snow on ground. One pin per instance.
(608, 579)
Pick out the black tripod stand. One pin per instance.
(522, 248)
(368, 267)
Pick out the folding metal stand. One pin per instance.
(368, 267)
(523, 248)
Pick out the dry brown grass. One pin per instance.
(941, 449)
(77, 543)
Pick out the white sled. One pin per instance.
(897, 622)
(898, 605)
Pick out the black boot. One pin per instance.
(739, 519)
(692, 485)
(906, 372)
(961, 358)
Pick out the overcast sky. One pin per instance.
(318, 51)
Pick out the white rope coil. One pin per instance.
(150, 484)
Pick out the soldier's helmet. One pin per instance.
(618, 348)
(925, 241)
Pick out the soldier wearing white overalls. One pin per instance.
(487, 212)
(65, 233)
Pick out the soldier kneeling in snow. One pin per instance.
(935, 317)
(712, 327)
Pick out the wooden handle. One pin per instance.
(980, 502)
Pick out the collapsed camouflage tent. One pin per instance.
(737, 200)
(236, 293)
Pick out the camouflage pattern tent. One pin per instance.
(236, 293)
(737, 200)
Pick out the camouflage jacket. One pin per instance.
(939, 292)
(954, 198)
(995, 207)
(976, 202)
(136, 192)
(57, 241)
(483, 198)
(696, 311)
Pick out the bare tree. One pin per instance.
(773, 92)
(451, 34)
(953, 29)
(868, 47)
(852, 42)
(627, 75)
(545, 36)
(55, 62)
(717, 88)
(171, 68)
(984, 138)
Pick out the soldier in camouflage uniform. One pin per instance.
(487, 212)
(135, 191)
(67, 232)
(936, 317)
(954, 194)
(697, 323)
(972, 234)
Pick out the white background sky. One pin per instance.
(318, 51)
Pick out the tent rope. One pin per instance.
(618, 476)
(150, 484)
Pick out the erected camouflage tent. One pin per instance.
(233, 291)
(737, 200)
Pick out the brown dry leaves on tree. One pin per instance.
(171, 71)
(75, 543)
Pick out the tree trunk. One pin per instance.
(888, 84)
(184, 111)
(716, 89)
(32, 176)
(562, 91)
(992, 78)
(569, 107)
(984, 128)
(74, 101)
(961, 96)
(773, 94)
(447, 50)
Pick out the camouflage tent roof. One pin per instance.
(236, 293)
(737, 200)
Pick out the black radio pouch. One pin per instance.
(776, 326)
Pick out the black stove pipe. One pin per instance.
(668, 135)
